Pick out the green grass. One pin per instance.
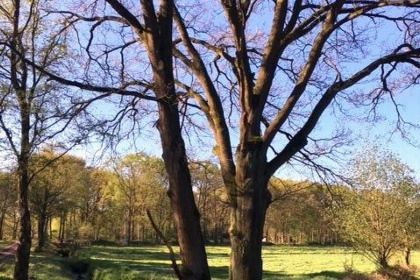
(152, 262)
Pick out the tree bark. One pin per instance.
(249, 200)
(186, 215)
(157, 41)
(24, 247)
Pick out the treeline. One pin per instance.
(70, 201)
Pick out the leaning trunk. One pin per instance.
(187, 219)
(248, 207)
(186, 215)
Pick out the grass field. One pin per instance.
(151, 262)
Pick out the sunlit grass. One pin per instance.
(152, 262)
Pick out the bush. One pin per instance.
(399, 272)
(391, 273)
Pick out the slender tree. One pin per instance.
(33, 109)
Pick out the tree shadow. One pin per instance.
(222, 272)
(328, 274)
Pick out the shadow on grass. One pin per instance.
(139, 266)
(222, 272)
(328, 274)
(217, 255)
(131, 253)
(149, 261)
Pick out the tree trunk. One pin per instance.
(61, 228)
(407, 256)
(50, 236)
(42, 220)
(1, 225)
(15, 227)
(186, 215)
(248, 207)
(24, 246)
(383, 261)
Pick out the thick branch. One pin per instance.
(126, 14)
(300, 139)
(215, 114)
(305, 74)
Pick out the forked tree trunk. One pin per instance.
(249, 202)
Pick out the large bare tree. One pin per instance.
(262, 73)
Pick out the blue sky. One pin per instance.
(380, 133)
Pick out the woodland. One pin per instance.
(253, 86)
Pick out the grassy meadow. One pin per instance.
(151, 262)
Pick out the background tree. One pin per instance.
(7, 198)
(377, 216)
(33, 109)
(140, 185)
(61, 179)
(303, 208)
(211, 199)
(94, 204)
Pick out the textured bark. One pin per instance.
(249, 202)
(186, 216)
